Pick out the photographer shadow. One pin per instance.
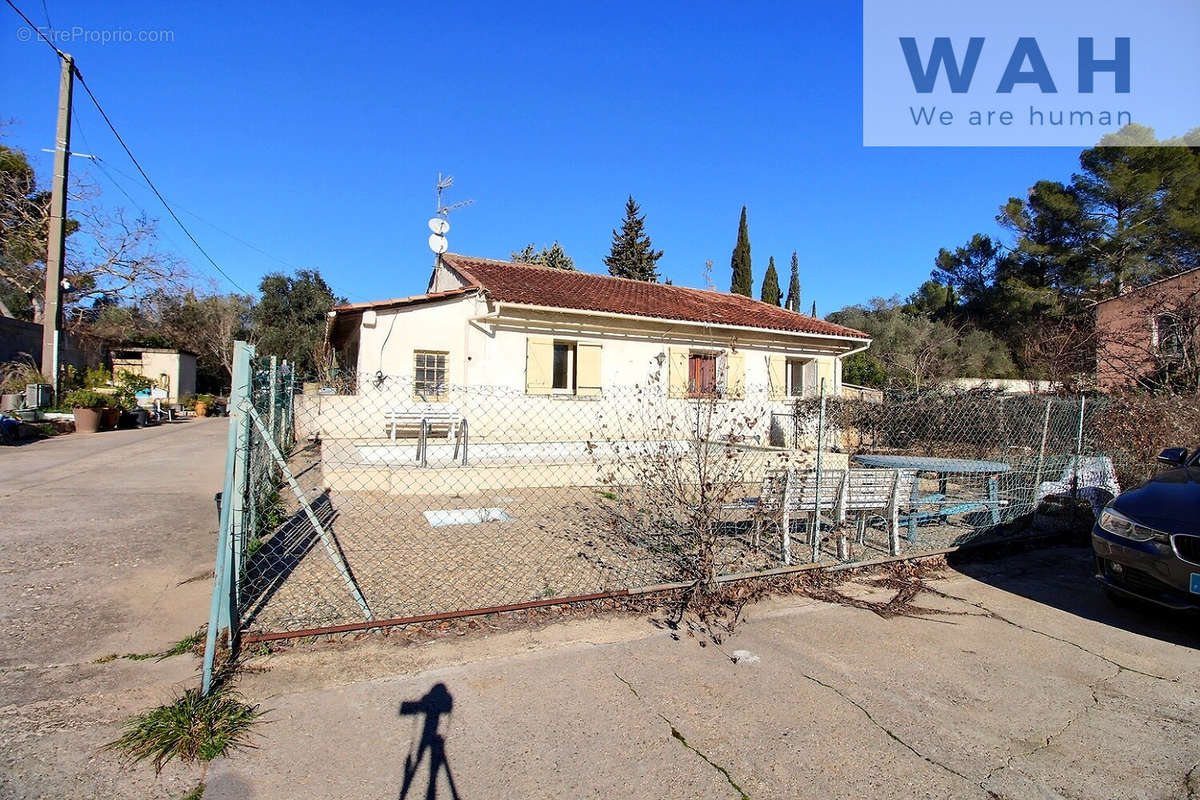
(435, 704)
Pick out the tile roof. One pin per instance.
(530, 284)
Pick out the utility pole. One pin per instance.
(52, 307)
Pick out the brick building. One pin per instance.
(1149, 334)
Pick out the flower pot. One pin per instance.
(201, 408)
(87, 420)
(109, 417)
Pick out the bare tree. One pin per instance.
(111, 254)
(674, 471)
(1153, 342)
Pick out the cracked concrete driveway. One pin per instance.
(1027, 684)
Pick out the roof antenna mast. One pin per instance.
(440, 223)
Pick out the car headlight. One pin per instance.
(1120, 525)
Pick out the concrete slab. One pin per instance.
(1068, 699)
(106, 547)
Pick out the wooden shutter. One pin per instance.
(777, 377)
(539, 365)
(587, 369)
(825, 370)
(812, 381)
(677, 372)
(735, 376)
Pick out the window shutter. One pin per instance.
(539, 365)
(587, 369)
(777, 377)
(825, 370)
(735, 376)
(812, 382)
(677, 374)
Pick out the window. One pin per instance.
(1172, 336)
(429, 375)
(702, 375)
(563, 373)
(795, 377)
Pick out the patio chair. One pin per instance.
(1097, 482)
(790, 493)
(865, 491)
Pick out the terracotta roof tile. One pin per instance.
(529, 284)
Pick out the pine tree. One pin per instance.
(793, 296)
(743, 279)
(553, 257)
(633, 255)
(770, 287)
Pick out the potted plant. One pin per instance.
(203, 402)
(87, 405)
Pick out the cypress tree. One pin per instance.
(770, 287)
(743, 280)
(793, 295)
(814, 311)
(632, 254)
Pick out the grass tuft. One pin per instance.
(188, 644)
(191, 728)
(196, 793)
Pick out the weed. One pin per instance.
(192, 643)
(188, 644)
(196, 793)
(191, 728)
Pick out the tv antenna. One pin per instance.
(444, 182)
(440, 223)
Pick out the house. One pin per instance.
(562, 334)
(173, 371)
(546, 365)
(1149, 335)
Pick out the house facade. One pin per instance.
(516, 346)
(1148, 336)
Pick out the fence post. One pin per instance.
(1041, 461)
(219, 613)
(273, 419)
(1078, 450)
(816, 525)
(289, 407)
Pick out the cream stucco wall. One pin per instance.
(486, 345)
(175, 372)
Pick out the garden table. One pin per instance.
(941, 467)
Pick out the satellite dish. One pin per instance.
(438, 244)
(439, 226)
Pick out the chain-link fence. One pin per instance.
(379, 500)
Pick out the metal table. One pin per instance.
(941, 467)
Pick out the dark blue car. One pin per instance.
(1147, 540)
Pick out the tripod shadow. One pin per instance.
(434, 704)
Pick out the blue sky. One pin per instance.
(316, 131)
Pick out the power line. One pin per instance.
(91, 95)
(30, 23)
(105, 168)
(150, 183)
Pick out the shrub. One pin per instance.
(85, 398)
(97, 377)
(16, 375)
